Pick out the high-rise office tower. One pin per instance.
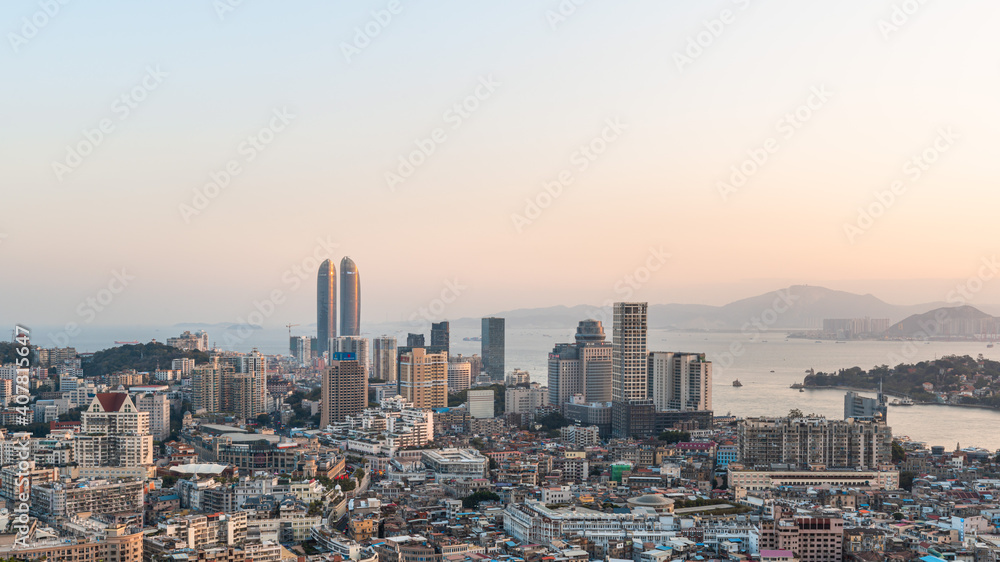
(680, 381)
(583, 367)
(352, 344)
(326, 305)
(441, 335)
(384, 359)
(414, 340)
(345, 391)
(350, 298)
(423, 378)
(301, 347)
(628, 352)
(494, 346)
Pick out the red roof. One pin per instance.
(112, 401)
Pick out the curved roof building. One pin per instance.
(326, 305)
(350, 298)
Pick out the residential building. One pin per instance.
(802, 442)
(459, 375)
(423, 378)
(680, 381)
(344, 391)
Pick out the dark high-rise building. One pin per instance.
(414, 340)
(441, 335)
(326, 305)
(494, 347)
(384, 359)
(345, 391)
(350, 298)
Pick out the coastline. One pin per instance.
(856, 389)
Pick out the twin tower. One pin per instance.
(326, 302)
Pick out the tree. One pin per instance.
(898, 453)
(555, 420)
(263, 419)
(671, 437)
(473, 500)
(795, 413)
(906, 480)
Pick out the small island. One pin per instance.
(952, 379)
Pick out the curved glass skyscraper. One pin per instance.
(326, 305)
(350, 298)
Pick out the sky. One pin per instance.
(193, 161)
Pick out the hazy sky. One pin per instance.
(839, 97)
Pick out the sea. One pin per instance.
(766, 363)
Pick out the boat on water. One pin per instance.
(798, 385)
(737, 383)
(819, 341)
(772, 370)
(905, 401)
(841, 342)
(989, 345)
(802, 390)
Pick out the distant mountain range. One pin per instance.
(796, 307)
(956, 321)
(799, 307)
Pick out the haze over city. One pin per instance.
(641, 109)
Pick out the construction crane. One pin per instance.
(289, 326)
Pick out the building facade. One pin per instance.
(326, 305)
(384, 359)
(680, 381)
(345, 391)
(423, 378)
(350, 298)
(494, 347)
